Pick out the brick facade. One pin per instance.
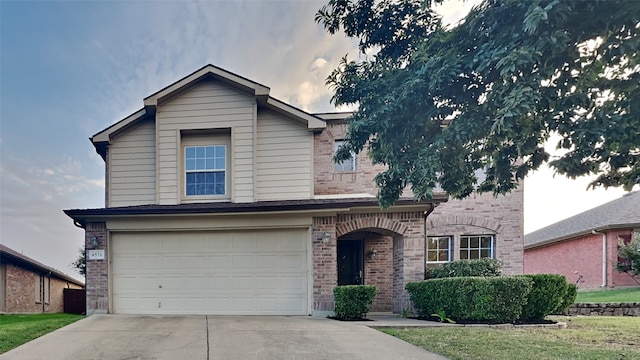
(24, 290)
(97, 270)
(399, 237)
(580, 260)
(484, 214)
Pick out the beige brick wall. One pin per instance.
(484, 214)
(331, 182)
(403, 256)
(397, 236)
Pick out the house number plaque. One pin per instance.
(96, 255)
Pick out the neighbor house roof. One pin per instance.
(342, 204)
(9, 255)
(620, 213)
(259, 91)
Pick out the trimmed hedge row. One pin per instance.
(491, 299)
(475, 267)
(353, 301)
(568, 299)
(547, 294)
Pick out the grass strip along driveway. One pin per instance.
(606, 296)
(16, 330)
(587, 338)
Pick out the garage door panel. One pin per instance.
(232, 272)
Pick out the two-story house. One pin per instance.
(221, 199)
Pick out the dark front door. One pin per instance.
(350, 265)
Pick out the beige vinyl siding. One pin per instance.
(284, 159)
(132, 166)
(207, 105)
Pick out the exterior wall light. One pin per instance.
(373, 254)
(94, 242)
(325, 237)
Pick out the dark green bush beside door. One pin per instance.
(353, 301)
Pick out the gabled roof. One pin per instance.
(101, 139)
(11, 256)
(617, 214)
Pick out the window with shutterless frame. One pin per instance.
(345, 165)
(438, 249)
(205, 170)
(477, 246)
(205, 163)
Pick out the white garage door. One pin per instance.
(214, 272)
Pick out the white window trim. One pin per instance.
(450, 249)
(492, 249)
(353, 158)
(186, 172)
(210, 139)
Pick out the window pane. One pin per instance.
(220, 151)
(444, 243)
(464, 255)
(443, 255)
(190, 164)
(190, 152)
(464, 242)
(432, 256)
(219, 164)
(209, 151)
(485, 253)
(486, 242)
(474, 254)
(200, 152)
(473, 243)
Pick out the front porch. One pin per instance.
(385, 249)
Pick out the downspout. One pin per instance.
(604, 257)
(424, 219)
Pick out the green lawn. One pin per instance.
(586, 338)
(16, 330)
(615, 295)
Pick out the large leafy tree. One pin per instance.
(436, 103)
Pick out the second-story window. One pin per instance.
(205, 168)
(346, 165)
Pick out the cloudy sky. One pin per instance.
(68, 69)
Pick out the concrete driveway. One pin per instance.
(215, 337)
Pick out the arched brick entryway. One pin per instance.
(397, 237)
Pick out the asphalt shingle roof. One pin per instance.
(623, 212)
(9, 254)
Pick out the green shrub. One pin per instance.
(353, 301)
(477, 267)
(547, 293)
(569, 298)
(484, 299)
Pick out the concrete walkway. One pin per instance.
(220, 337)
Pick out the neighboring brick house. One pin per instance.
(27, 286)
(584, 247)
(221, 199)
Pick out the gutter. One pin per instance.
(604, 256)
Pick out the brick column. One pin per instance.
(325, 271)
(97, 286)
